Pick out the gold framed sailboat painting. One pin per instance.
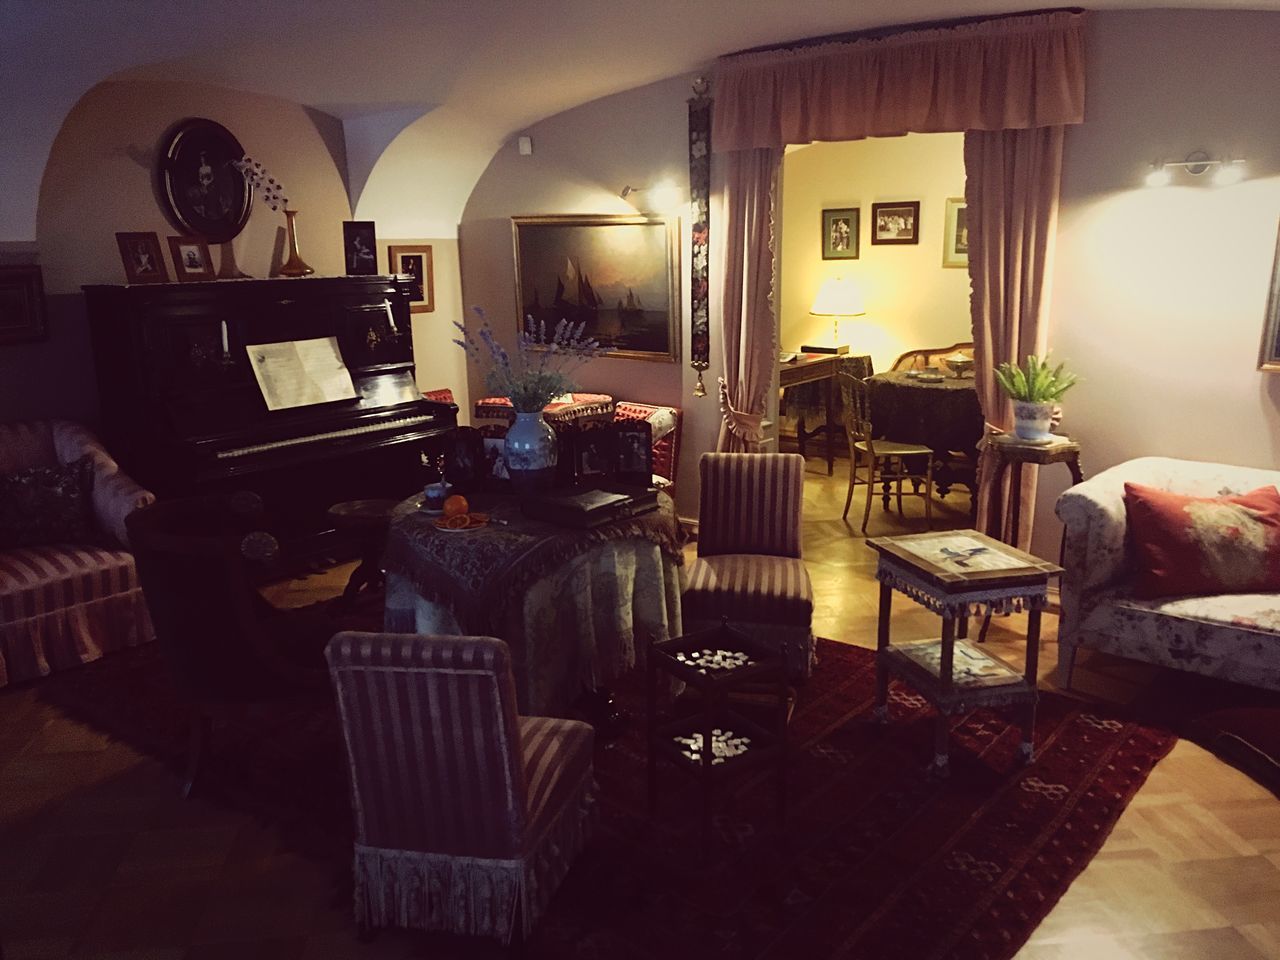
(619, 275)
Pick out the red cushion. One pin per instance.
(1203, 545)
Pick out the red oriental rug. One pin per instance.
(877, 860)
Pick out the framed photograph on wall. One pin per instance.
(415, 260)
(359, 247)
(619, 275)
(142, 259)
(840, 233)
(22, 316)
(201, 191)
(1269, 356)
(895, 222)
(191, 259)
(955, 235)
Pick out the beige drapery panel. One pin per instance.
(1011, 190)
(1020, 74)
(749, 333)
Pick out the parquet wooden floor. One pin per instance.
(99, 858)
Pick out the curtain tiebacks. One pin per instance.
(748, 427)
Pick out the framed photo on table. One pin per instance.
(633, 452)
(415, 260)
(895, 222)
(359, 247)
(142, 259)
(191, 259)
(593, 453)
(617, 275)
(840, 233)
(955, 236)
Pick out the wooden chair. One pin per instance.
(467, 816)
(887, 461)
(930, 356)
(749, 569)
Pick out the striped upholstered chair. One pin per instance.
(64, 604)
(467, 816)
(749, 568)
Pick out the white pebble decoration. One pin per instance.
(723, 746)
(705, 660)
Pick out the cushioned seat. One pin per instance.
(749, 586)
(557, 761)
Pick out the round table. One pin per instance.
(573, 605)
(942, 414)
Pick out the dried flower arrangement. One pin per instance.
(260, 179)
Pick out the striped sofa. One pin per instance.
(749, 568)
(66, 604)
(467, 816)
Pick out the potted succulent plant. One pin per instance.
(1035, 389)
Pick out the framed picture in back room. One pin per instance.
(415, 260)
(22, 316)
(895, 222)
(840, 233)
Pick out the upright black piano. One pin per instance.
(184, 412)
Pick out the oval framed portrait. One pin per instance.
(201, 192)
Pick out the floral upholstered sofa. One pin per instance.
(67, 602)
(1232, 636)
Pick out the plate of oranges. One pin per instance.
(457, 516)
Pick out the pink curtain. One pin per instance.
(1006, 73)
(749, 330)
(1011, 194)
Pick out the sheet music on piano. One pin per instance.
(300, 373)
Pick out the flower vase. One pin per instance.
(1031, 420)
(530, 453)
(295, 266)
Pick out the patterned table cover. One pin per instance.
(572, 604)
(942, 414)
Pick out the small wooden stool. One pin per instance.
(366, 522)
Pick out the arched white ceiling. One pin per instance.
(474, 71)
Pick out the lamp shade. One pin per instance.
(838, 297)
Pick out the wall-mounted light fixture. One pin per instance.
(663, 196)
(1197, 164)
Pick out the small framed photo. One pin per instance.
(359, 247)
(593, 453)
(191, 260)
(415, 260)
(22, 316)
(895, 222)
(633, 451)
(955, 237)
(840, 233)
(142, 259)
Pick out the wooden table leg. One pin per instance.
(831, 426)
(1073, 464)
(995, 522)
(942, 727)
(1015, 494)
(651, 724)
(1031, 674)
(881, 712)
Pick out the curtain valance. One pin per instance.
(1010, 73)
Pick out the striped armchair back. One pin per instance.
(433, 742)
(750, 503)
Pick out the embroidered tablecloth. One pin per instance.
(572, 604)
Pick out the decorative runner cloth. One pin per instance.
(478, 574)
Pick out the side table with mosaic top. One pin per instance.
(717, 742)
(954, 573)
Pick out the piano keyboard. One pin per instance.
(396, 424)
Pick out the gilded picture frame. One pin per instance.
(955, 236)
(1269, 353)
(618, 273)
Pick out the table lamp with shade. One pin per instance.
(837, 297)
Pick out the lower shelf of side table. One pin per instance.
(978, 679)
(739, 743)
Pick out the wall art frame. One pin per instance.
(841, 227)
(142, 258)
(415, 260)
(360, 247)
(191, 259)
(955, 234)
(201, 191)
(22, 313)
(1269, 354)
(895, 223)
(632, 306)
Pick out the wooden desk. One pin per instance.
(811, 368)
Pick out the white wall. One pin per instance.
(581, 160)
(911, 299)
(1159, 295)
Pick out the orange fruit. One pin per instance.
(456, 505)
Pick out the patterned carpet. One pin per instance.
(876, 860)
